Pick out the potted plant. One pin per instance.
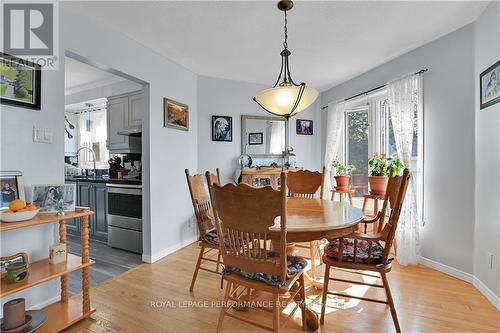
(342, 174)
(380, 167)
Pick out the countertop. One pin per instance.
(131, 181)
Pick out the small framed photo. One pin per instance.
(20, 82)
(304, 127)
(12, 187)
(175, 115)
(489, 82)
(255, 138)
(54, 198)
(222, 128)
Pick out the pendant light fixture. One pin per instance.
(286, 98)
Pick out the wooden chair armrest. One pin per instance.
(372, 220)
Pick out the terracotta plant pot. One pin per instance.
(378, 184)
(342, 182)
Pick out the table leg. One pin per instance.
(365, 201)
(350, 198)
(64, 278)
(85, 259)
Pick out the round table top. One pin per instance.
(314, 219)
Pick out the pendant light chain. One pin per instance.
(285, 43)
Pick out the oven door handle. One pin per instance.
(121, 190)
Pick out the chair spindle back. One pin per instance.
(243, 216)
(305, 183)
(200, 198)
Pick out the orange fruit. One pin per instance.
(31, 207)
(21, 210)
(17, 204)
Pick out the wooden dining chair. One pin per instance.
(208, 242)
(307, 184)
(244, 215)
(363, 251)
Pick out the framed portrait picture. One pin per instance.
(255, 138)
(489, 82)
(53, 198)
(222, 128)
(304, 127)
(12, 187)
(20, 82)
(175, 115)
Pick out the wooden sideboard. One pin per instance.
(264, 176)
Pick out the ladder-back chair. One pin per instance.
(307, 184)
(208, 243)
(369, 251)
(243, 216)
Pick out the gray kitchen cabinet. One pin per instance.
(95, 196)
(117, 121)
(124, 112)
(136, 110)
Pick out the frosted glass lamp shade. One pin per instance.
(281, 100)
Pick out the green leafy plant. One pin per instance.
(342, 169)
(381, 165)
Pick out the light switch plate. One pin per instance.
(42, 135)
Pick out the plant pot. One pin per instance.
(342, 182)
(378, 184)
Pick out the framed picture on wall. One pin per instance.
(255, 138)
(489, 82)
(175, 115)
(222, 128)
(304, 127)
(11, 186)
(20, 82)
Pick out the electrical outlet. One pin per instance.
(490, 259)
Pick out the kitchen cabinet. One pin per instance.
(124, 112)
(95, 196)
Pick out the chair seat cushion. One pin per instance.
(294, 265)
(332, 248)
(211, 237)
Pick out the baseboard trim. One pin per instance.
(45, 303)
(487, 292)
(169, 250)
(467, 277)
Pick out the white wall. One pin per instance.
(108, 90)
(169, 150)
(487, 217)
(40, 164)
(223, 97)
(449, 140)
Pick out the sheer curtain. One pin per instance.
(405, 100)
(333, 139)
(92, 134)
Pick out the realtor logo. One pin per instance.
(28, 29)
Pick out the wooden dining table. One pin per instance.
(309, 219)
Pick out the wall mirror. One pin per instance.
(263, 136)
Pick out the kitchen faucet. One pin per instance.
(93, 158)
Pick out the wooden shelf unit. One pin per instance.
(66, 312)
(41, 271)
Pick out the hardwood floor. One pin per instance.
(155, 298)
(109, 262)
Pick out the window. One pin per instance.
(93, 134)
(368, 130)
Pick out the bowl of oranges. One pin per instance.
(18, 211)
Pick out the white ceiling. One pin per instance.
(331, 42)
(79, 76)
